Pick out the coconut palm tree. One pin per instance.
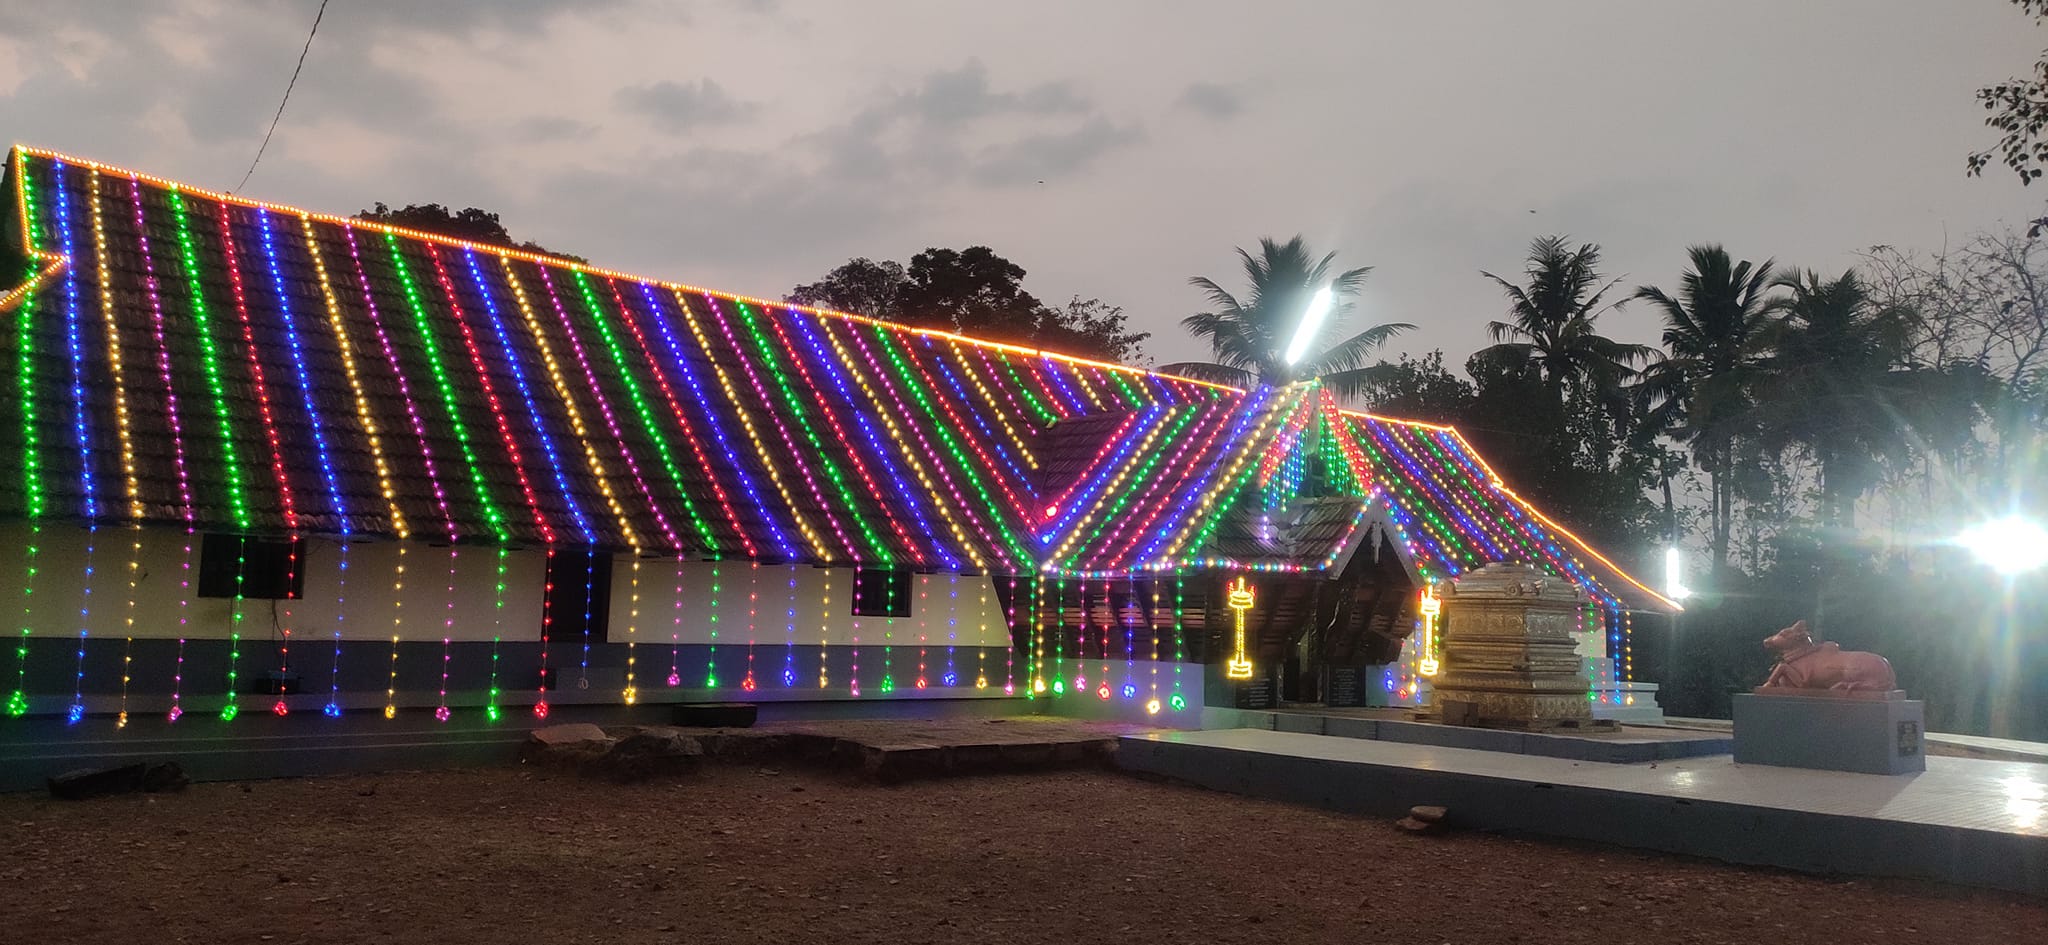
(1836, 381)
(1552, 327)
(1249, 336)
(1706, 379)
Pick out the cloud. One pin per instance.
(551, 128)
(717, 207)
(1212, 100)
(957, 96)
(956, 125)
(684, 106)
(1041, 156)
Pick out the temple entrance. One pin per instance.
(1322, 634)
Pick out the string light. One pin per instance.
(611, 420)
(789, 635)
(124, 436)
(547, 627)
(497, 635)
(631, 693)
(753, 610)
(397, 624)
(1152, 703)
(32, 486)
(675, 635)
(589, 595)
(825, 630)
(75, 346)
(441, 712)
(174, 423)
(910, 445)
(567, 398)
(1429, 607)
(711, 654)
(202, 323)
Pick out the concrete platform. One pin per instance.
(1633, 744)
(1963, 821)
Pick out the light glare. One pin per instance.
(1311, 323)
(2010, 545)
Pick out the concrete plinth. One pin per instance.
(1832, 733)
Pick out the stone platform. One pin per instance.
(1631, 744)
(1963, 821)
(1881, 734)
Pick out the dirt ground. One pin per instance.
(740, 854)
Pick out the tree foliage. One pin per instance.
(1249, 336)
(469, 223)
(976, 292)
(2019, 112)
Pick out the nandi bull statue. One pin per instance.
(1804, 664)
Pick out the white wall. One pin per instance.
(944, 608)
(676, 600)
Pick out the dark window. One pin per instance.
(878, 593)
(579, 594)
(252, 568)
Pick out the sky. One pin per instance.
(1112, 149)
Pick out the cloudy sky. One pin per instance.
(1111, 148)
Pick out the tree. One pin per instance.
(469, 223)
(1421, 389)
(861, 286)
(1094, 327)
(1832, 383)
(2019, 110)
(1705, 381)
(974, 287)
(1553, 326)
(1249, 337)
(975, 292)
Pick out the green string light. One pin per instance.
(491, 710)
(943, 427)
(446, 386)
(647, 422)
(31, 457)
(209, 355)
(796, 408)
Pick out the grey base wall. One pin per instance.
(365, 672)
(259, 745)
(1868, 736)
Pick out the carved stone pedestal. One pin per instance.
(1509, 657)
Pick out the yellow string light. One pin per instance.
(565, 392)
(761, 449)
(1430, 606)
(397, 622)
(339, 325)
(1240, 600)
(632, 631)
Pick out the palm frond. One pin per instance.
(1211, 372)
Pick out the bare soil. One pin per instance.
(743, 854)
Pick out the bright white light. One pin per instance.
(1674, 583)
(2010, 545)
(1311, 323)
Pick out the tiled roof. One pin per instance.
(189, 358)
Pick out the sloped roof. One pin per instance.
(187, 357)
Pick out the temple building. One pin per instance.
(265, 460)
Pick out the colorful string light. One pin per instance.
(883, 444)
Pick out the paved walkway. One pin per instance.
(1963, 820)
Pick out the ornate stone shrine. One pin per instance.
(1509, 657)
